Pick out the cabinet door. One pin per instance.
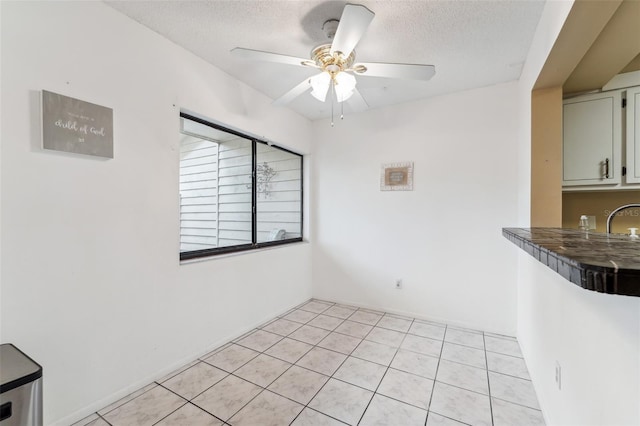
(592, 144)
(633, 135)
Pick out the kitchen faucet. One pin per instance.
(613, 213)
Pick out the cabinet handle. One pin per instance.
(606, 168)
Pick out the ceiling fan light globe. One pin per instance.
(320, 85)
(319, 95)
(344, 86)
(346, 80)
(341, 97)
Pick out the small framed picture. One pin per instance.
(396, 177)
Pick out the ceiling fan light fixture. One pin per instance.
(343, 85)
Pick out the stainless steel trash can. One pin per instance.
(20, 388)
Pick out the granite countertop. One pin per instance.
(607, 263)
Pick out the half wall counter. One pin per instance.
(606, 263)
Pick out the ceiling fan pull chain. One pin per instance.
(333, 96)
(342, 110)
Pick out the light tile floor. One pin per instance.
(328, 364)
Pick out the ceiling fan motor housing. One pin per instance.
(332, 63)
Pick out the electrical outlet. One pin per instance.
(399, 283)
(558, 375)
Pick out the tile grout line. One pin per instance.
(304, 406)
(375, 392)
(460, 362)
(325, 383)
(130, 400)
(502, 353)
(231, 374)
(291, 366)
(464, 346)
(461, 388)
(509, 375)
(373, 326)
(103, 419)
(435, 378)
(488, 381)
(517, 403)
(265, 388)
(274, 380)
(179, 396)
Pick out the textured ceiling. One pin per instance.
(471, 43)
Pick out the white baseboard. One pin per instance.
(447, 321)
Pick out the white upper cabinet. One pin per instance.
(633, 135)
(592, 140)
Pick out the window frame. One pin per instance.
(254, 245)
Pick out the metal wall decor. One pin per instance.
(263, 180)
(396, 176)
(72, 125)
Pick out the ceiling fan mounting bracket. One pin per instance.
(330, 27)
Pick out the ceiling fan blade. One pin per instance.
(259, 55)
(354, 22)
(293, 93)
(357, 102)
(403, 71)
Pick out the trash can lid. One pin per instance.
(16, 368)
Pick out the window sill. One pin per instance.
(241, 253)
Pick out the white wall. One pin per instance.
(444, 237)
(595, 337)
(91, 284)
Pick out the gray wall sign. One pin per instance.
(73, 125)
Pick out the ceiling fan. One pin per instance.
(336, 62)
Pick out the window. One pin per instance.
(236, 192)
